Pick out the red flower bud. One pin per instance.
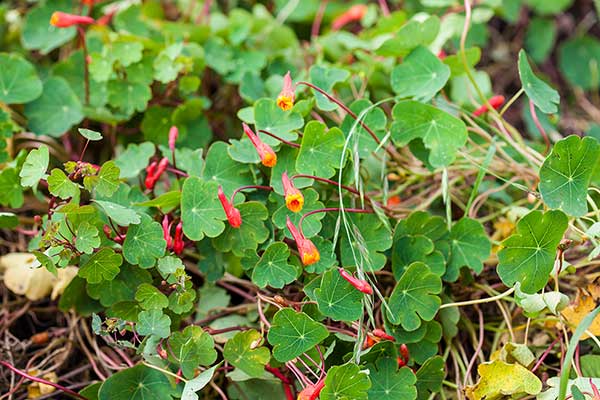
(309, 254)
(380, 333)
(441, 54)
(106, 18)
(266, 153)
(233, 214)
(286, 97)
(359, 284)
(495, 102)
(154, 171)
(173, 134)
(166, 226)
(178, 243)
(404, 355)
(294, 200)
(64, 20)
(353, 14)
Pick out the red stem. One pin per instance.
(296, 145)
(289, 395)
(539, 126)
(86, 71)
(343, 106)
(316, 26)
(385, 10)
(545, 354)
(317, 178)
(40, 380)
(352, 210)
(236, 191)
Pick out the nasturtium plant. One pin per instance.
(299, 200)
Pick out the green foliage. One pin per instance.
(273, 268)
(337, 299)
(420, 76)
(346, 382)
(389, 382)
(137, 383)
(19, 82)
(544, 97)
(244, 352)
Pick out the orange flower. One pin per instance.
(294, 200)
(309, 254)
(354, 13)
(233, 214)
(495, 102)
(64, 20)
(286, 97)
(266, 153)
(312, 392)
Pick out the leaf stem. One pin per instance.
(40, 380)
(236, 191)
(352, 210)
(479, 301)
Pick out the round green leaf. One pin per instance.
(120, 215)
(346, 382)
(87, 238)
(528, 254)
(369, 245)
(292, 333)
(325, 78)
(566, 173)
(273, 268)
(201, 211)
(321, 150)
(337, 298)
(102, 266)
(150, 297)
(249, 234)
(90, 134)
(269, 117)
(389, 383)
(60, 185)
(469, 247)
(56, 110)
(579, 61)
(19, 82)
(35, 166)
(192, 347)
(442, 133)
(414, 297)
(420, 76)
(144, 243)
(242, 352)
(153, 322)
(38, 34)
(137, 383)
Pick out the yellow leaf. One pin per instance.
(499, 379)
(577, 311)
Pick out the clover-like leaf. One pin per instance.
(538, 91)
(273, 268)
(286, 162)
(390, 383)
(469, 247)
(201, 211)
(412, 34)
(190, 348)
(19, 82)
(249, 234)
(321, 150)
(11, 192)
(221, 168)
(269, 117)
(102, 266)
(56, 110)
(293, 333)
(120, 289)
(169, 265)
(415, 297)
(408, 249)
(243, 351)
(150, 297)
(566, 173)
(585, 49)
(144, 243)
(60, 185)
(106, 182)
(35, 166)
(420, 76)
(528, 254)
(369, 238)
(181, 300)
(87, 238)
(122, 216)
(325, 78)
(128, 96)
(137, 383)
(442, 133)
(345, 382)
(337, 298)
(153, 322)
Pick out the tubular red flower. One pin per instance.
(404, 355)
(353, 14)
(266, 153)
(173, 134)
(106, 18)
(150, 170)
(233, 214)
(380, 333)
(359, 284)
(64, 20)
(178, 243)
(294, 200)
(286, 97)
(309, 254)
(312, 392)
(495, 102)
(166, 226)
(441, 54)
